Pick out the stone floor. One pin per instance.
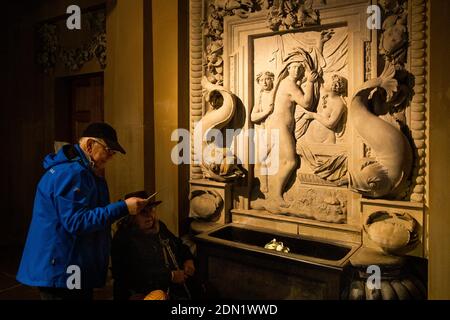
(10, 289)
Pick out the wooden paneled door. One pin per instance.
(86, 94)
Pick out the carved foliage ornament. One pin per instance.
(213, 31)
(282, 14)
(49, 46)
(50, 49)
(393, 47)
(394, 36)
(291, 14)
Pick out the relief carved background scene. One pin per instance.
(301, 92)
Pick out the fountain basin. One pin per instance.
(232, 259)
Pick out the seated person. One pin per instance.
(143, 254)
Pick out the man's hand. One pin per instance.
(178, 276)
(135, 205)
(189, 268)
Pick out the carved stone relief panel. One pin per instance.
(319, 203)
(318, 65)
(328, 113)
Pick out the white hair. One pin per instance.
(83, 141)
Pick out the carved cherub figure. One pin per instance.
(264, 103)
(260, 112)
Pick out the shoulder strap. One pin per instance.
(166, 247)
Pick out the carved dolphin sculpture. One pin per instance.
(385, 175)
(223, 104)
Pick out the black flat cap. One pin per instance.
(104, 131)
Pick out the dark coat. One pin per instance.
(138, 263)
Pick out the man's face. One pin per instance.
(100, 154)
(266, 83)
(146, 219)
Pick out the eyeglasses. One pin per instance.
(107, 149)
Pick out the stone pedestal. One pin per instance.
(214, 212)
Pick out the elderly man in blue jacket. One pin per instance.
(67, 250)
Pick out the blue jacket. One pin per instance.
(71, 224)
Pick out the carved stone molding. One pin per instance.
(418, 66)
(196, 73)
(367, 61)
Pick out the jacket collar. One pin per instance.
(85, 160)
